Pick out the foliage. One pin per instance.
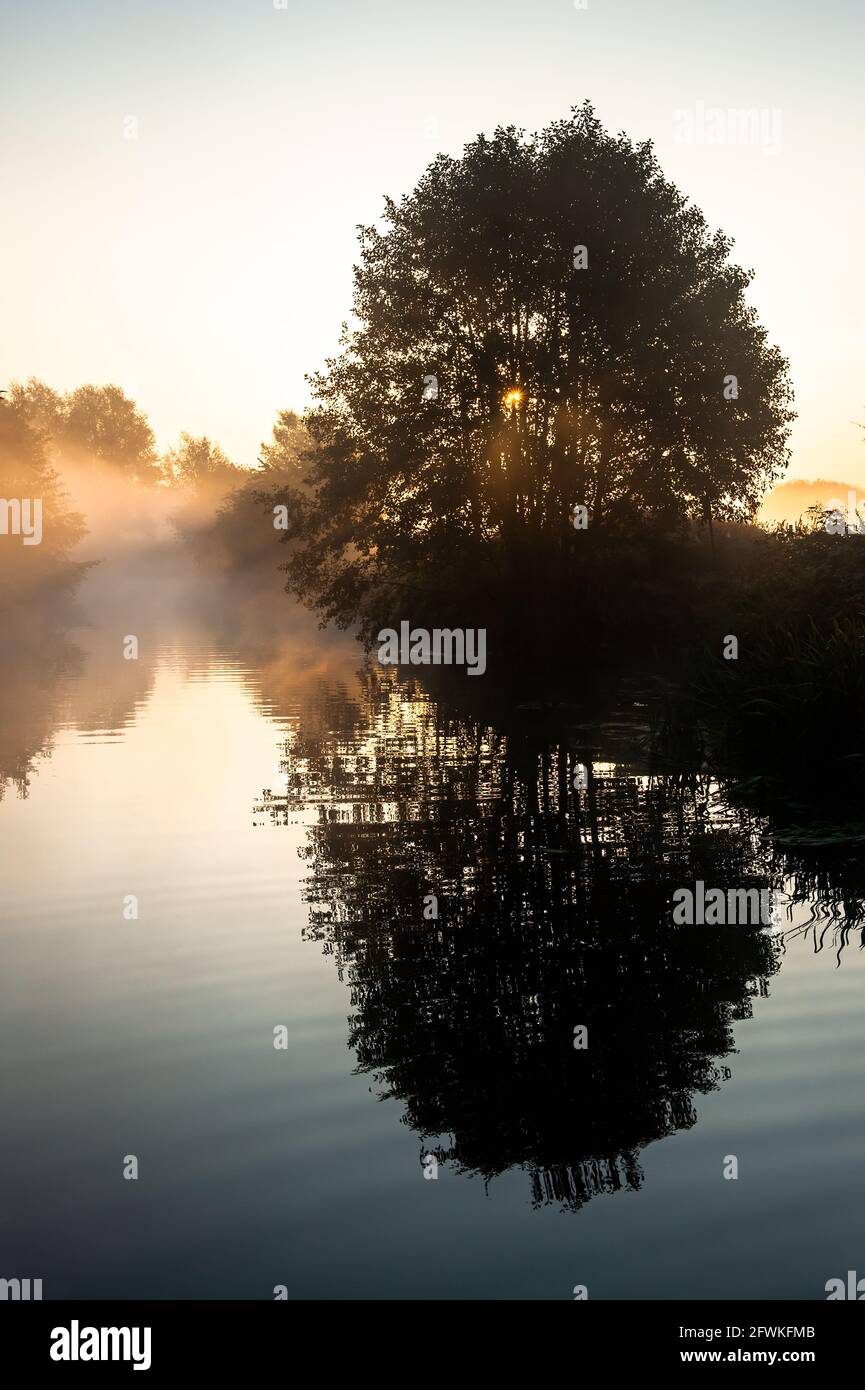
(556, 386)
(26, 473)
(92, 423)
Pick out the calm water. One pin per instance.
(280, 815)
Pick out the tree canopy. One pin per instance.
(26, 473)
(197, 461)
(542, 323)
(91, 423)
(243, 535)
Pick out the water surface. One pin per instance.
(281, 814)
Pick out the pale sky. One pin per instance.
(206, 264)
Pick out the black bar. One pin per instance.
(222, 1338)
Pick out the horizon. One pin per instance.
(175, 177)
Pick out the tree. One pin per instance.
(198, 462)
(286, 458)
(244, 534)
(544, 322)
(102, 422)
(43, 407)
(27, 478)
(88, 424)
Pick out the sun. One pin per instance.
(513, 397)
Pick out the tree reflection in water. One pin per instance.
(554, 910)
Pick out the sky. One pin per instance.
(181, 180)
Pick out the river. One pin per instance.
(311, 947)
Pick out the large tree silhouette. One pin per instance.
(497, 374)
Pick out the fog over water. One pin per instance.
(281, 808)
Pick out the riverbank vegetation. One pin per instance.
(554, 416)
